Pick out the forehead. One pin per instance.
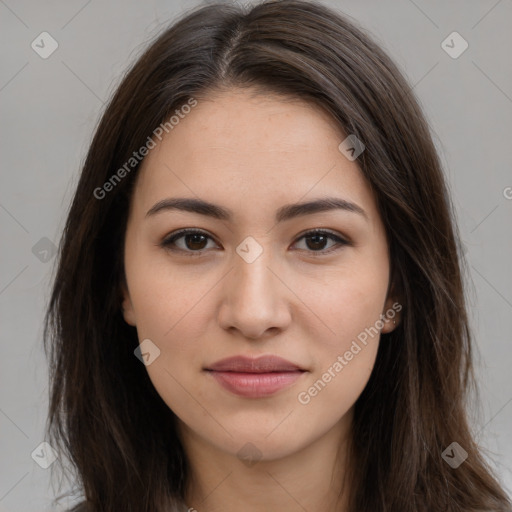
(251, 124)
(245, 149)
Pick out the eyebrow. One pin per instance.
(284, 213)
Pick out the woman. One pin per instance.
(259, 301)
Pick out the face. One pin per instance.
(255, 279)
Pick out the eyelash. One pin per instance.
(171, 239)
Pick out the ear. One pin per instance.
(391, 315)
(127, 306)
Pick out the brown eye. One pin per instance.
(190, 240)
(316, 241)
(194, 241)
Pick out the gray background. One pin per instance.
(49, 108)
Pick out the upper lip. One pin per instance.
(262, 364)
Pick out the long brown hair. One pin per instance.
(105, 414)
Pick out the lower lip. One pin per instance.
(255, 385)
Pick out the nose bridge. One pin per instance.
(253, 300)
(251, 275)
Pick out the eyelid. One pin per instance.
(175, 235)
(337, 237)
(340, 240)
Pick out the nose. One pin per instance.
(255, 301)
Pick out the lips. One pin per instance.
(262, 364)
(255, 378)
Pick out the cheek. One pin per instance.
(349, 309)
(167, 300)
(176, 324)
(172, 309)
(169, 308)
(348, 303)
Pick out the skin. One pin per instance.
(253, 154)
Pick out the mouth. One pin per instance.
(255, 378)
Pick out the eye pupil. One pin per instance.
(195, 238)
(317, 239)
